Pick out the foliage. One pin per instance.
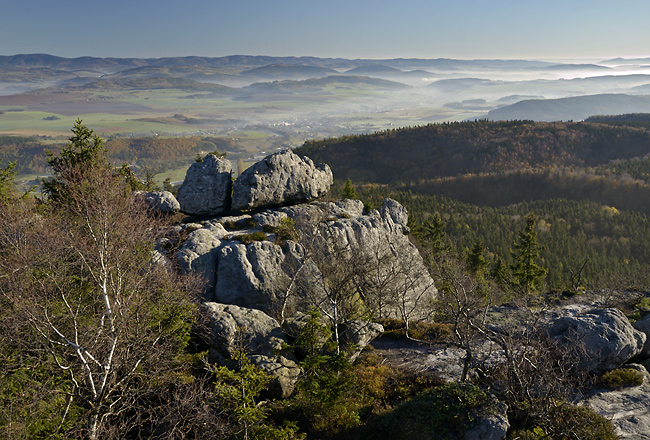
(80, 278)
(525, 269)
(349, 192)
(569, 422)
(240, 388)
(251, 237)
(7, 175)
(621, 378)
(444, 412)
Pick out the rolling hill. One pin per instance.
(572, 109)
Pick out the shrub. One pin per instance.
(445, 411)
(569, 422)
(621, 378)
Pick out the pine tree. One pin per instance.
(476, 261)
(527, 273)
(349, 192)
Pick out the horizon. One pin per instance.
(352, 29)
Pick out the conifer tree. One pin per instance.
(527, 273)
(349, 192)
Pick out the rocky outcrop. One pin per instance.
(627, 408)
(207, 187)
(606, 336)
(643, 325)
(336, 241)
(163, 202)
(358, 334)
(280, 179)
(234, 328)
(198, 255)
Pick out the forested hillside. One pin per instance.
(442, 150)
(155, 153)
(587, 184)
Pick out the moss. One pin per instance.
(621, 378)
(249, 238)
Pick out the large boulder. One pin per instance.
(265, 276)
(280, 179)
(163, 202)
(358, 334)
(207, 187)
(198, 255)
(605, 336)
(643, 325)
(234, 328)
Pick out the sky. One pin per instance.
(469, 29)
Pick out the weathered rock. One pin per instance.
(264, 275)
(359, 334)
(280, 179)
(492, 424)
(369, 248)
(199, 255)
(643, 325)
(607, 337)
(627, 408)
(160, 201)
(234, 328)
(207, 187)
(269, 219)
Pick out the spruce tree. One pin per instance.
(527, 273)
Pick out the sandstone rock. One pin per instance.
(207, 187)
(607, 336)
(198, 255)
(285, 277)
(279, 179)
(160, 201)
(359, 334)
(264, 275)
(234, 328)
(627, 408)
(269, 219)
(643, 325)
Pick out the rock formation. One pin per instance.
(207, 187)
(163, 202)
(607, 337)
(235, 328)
(280, 179)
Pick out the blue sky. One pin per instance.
(539, 29)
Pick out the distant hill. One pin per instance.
(373, 70)
(318, 84)
(446, 150)
(166, 82)
(242, 62)
(572, 109)
(288, 71)
(451, 85)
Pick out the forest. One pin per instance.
(587, 183)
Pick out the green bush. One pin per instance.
(569, 422)
(444, 412)
(621, 378)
